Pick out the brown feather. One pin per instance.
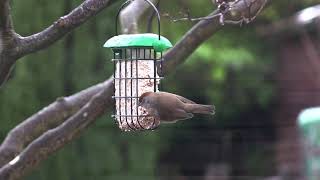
(144, 95)
(183, 99)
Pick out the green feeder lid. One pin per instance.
(139, 40)
(309, 116)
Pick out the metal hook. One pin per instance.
(127, 3)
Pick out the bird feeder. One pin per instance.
(309, 123)
(137, 60)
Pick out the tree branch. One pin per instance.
(203, 30)
(49, 117)
(5, 17)
(13, 46)
(62, 26)
(56, 138)
(7, 40)
(189, 43)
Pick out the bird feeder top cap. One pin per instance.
(309, 116)
(139, 40)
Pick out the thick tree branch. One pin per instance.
(7, 40)
(5, 17)
(55, 138)
(13, 46)
(49, 117)
(62, 26)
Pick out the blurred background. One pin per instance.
(259, 77)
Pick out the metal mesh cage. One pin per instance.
(137, 62)
(135, 72)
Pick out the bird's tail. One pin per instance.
(200, 109)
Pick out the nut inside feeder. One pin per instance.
(136, 58)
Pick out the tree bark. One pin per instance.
(47, 118)
(17, 46)
(56, 138)
(7, 41)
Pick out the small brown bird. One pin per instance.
(170, 107)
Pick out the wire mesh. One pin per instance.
(135, 72)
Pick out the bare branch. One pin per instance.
(7, 40)
(197, 18)
(55, 138)
(5, 16)
(200, 32)
(233, 12)
(62, 26)
(49, 117)
(189, 43)
(13, 46)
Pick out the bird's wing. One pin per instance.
(183, 99)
